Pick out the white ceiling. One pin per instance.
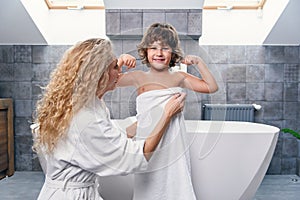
(17, 26)
(287, 29)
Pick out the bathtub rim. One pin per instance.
(209, 126)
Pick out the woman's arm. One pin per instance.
(174, 106)
(102, 148)
(207, 84)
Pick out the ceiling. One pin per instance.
(17, 26)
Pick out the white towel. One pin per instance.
(168, 176)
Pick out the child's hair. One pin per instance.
(167, 35)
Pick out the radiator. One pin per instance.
(229, 112)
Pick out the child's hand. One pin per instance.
(191, 60)
(131, 130)
(127, 60)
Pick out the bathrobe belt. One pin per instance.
(68, 184)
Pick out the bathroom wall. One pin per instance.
(265, 75)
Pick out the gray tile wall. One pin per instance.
(127, 23)
(265, 75)
(23, 68)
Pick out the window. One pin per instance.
(233, 4)
(75, 4)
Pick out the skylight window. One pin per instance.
(233, 4)
(75, 4)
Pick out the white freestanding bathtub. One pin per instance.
(228, 159)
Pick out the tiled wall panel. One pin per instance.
(265, 75)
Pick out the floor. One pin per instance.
(26, 186)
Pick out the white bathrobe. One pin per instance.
(93, 146)
(168, 176)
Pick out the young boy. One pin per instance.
(168, 176)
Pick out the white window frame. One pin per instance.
(74, 5)
(233, 4)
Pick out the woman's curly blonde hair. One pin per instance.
(81, 74)
(167, 35)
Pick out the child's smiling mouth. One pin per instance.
(159, 59)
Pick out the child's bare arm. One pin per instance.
(207, 84)
(126, 79)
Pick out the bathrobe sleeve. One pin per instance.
(103, 149)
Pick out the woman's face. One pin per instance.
(114, 71)
(159, 55)
(113, 75)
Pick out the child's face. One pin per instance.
(159, 55)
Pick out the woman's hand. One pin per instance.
(175, 104)
(127, 60)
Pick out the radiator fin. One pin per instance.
(228, 112)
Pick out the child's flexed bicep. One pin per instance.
(126, 79)
(205, 84)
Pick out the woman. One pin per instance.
(74, 136)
